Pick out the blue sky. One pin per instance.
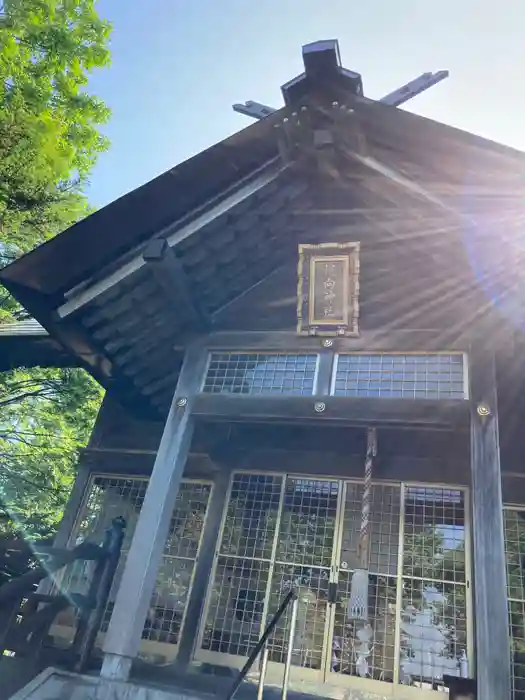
(179, 65)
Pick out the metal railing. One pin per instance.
(291, 597)
(27, 615)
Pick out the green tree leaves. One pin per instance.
(49, 125)
(46, 416)
(49, 140)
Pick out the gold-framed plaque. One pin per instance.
(328, 289)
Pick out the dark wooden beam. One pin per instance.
(28, 351)
(334, 438)
(338, 409)
(490, 586)
(351, 465)
(373, 341)
(171, 276)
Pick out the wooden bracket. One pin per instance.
(171, 276)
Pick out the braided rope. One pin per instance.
(371, 452)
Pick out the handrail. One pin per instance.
(289, 651)
(98, 595)
(289, 597)
(19, 585)
(24, 622)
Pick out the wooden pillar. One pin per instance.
(490, 587)
(138, 580)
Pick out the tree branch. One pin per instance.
(41, 393)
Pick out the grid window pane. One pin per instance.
(235, 608)
(306, 533)
(383, 527)
(304, 553)
(260, 373)
(187, 521)
(515, 556)
(311, 585)
(382, 627)
(109, 497)
(277, 535)
(434, 534)
(251, 517)
(433, 634)
(347, 645)
(400, 376)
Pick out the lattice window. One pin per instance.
(303, 556)
(311, 584)
(384, 528)
(260, 373)
(175, 574)
(383, 581)
(433, 376)
(281, 531)
(307, 524)
(515, 555)
(382, 615)
(112, 496)
(238, 594)
(433, 634)
(235, 612)
(109, 497)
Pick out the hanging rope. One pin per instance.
(364, 535)
(358, 602)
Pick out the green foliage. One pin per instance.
(49, 137)
(427, 557)
(46, 416)
(49, 141)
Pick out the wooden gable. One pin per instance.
(437, 215)
(414, 269)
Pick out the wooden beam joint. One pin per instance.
(171, 276)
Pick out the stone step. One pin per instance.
(54, 684)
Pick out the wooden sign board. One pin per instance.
(328, 289)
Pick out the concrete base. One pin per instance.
(53, 684)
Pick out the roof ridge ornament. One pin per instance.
(323, 73)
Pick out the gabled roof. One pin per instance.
(236, 212)
(101, 238)
(462, 159)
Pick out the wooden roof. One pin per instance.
(26, 343)
(434, 206)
